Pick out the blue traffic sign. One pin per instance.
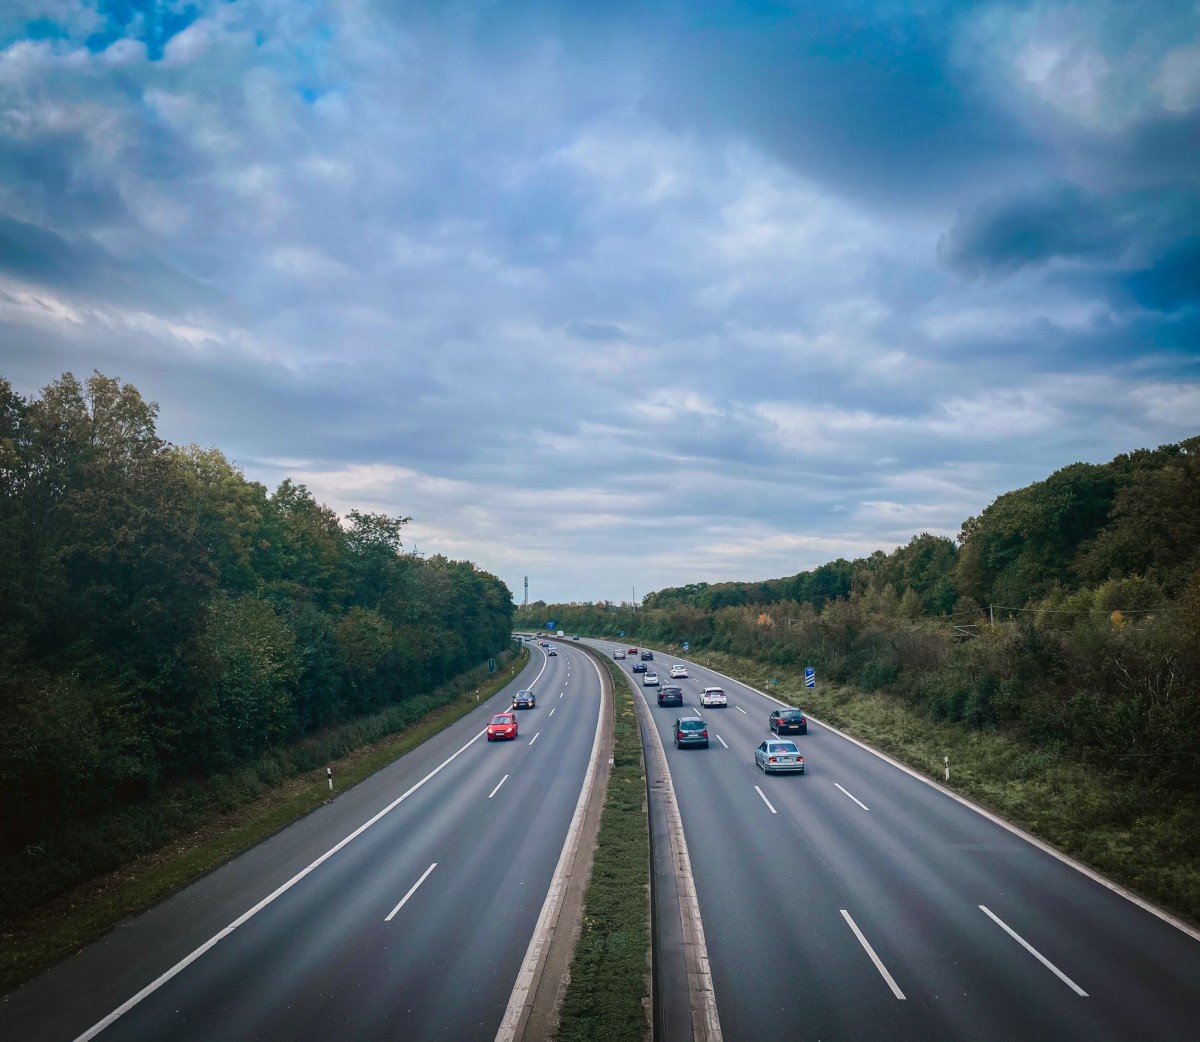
(685, 645)
(550, 625)
(810, 676)
(621, 634)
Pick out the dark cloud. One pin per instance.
(998, 238)
(1173, 281)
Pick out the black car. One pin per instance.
(670, 695)
(551, 653)
(648, 655)
(524, 700)
(784, 721)
(639, 667)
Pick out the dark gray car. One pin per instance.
(690, 730)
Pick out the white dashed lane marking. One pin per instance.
(854, 798)
(497, 788)
(411, 890)
(765, 800)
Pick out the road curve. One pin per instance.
(857, 902)
(415, 927)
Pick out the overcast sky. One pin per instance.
(617, 296)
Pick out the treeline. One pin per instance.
(162, 618)
(1067, 612)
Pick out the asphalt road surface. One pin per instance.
(858, 902)
(413, 929)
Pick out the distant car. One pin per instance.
(670, 695)
(650, 679)
(648, 655)
(552, 653)
(544, 643)
(633, 651)
(576, 637)
(776, 756)
(690, 730)
(503, 725)
(713, 696)
(678, 671)
(639, 667)
(618, 653)
(524, 700)
(788, 720)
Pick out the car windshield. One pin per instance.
(502, 719)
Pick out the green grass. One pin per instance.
(607, 999)
(1144, 837)
(66, 923)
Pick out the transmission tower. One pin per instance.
(526, 604)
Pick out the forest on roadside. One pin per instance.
(163, 619)
(1067, 613)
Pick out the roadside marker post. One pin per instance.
(329, 776)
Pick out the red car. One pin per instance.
(503, 725)
(633, 651)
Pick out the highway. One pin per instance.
(414, 926)
(858, 902)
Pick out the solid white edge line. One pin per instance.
(722, 741)
(548, 917)
(741, 710)
(413, 889)
(995, 819)
(497, 788)
(874, 958)
(765, 800)
(853, 797)
(1033, 951)
(534, 738)
(279, 891)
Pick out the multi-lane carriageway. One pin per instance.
(854, 902)
(403, 909)
(857, 901)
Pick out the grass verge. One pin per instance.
(1142, 836)
(607, 999)
(66, 923)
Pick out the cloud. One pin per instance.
(615, 296)
(1002, 236)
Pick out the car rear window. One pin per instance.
(791, 714)
(784, 747)
(691, 725)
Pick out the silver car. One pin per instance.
(650, 680)
(779, 755)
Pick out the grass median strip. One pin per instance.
(607, 999)
(66, 923)
(1144, 837)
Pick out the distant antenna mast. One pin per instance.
(526, 604)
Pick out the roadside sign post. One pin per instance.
(685, 645)
(810, 676)
(329, 775)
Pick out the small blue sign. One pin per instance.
(621, 634)
(810, 676)
(685, 645)
(550, 625)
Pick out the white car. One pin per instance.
(650, 680)
(713, 696)
(618, 653)
(678, 671)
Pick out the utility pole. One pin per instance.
(526, 604)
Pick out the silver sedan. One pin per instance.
(779, 755)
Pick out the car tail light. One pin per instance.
(770, 759)
(704, 733)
